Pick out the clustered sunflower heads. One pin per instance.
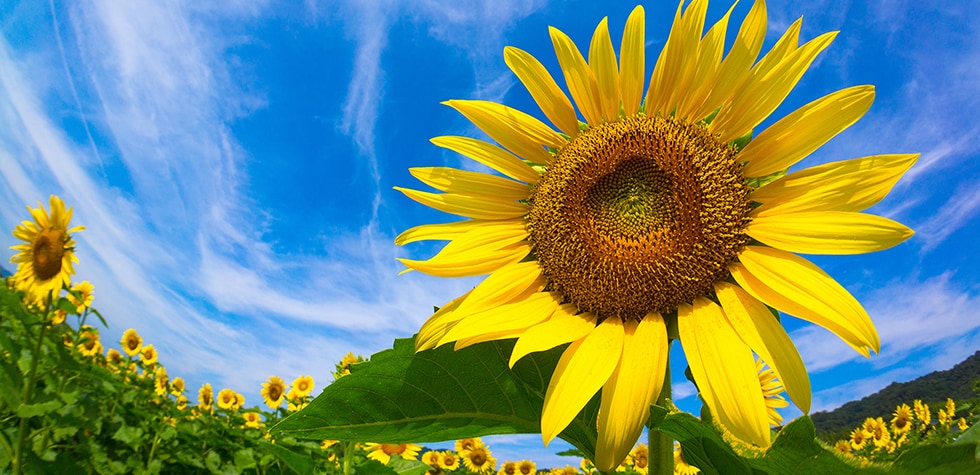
(663, 213)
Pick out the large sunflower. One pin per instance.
(657, 215)
(45, 261)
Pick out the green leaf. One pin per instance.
(296, 462)
(402, 396)
(407, 467)
(701, 445)
(936, 459)
(38, 409)
(244, 459)
(796, 450)
(129, 435)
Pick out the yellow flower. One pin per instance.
(113, 356)
(327, 443)
(771, 390)
(922, 412)
(654, 209)
(239, 401)
(253, 420)
(479, 459)
(273, 391)
(148, 354)
(843, 446)
(205, 397)
(448, 460)
(508, 468)
(962, 424)
(181, 402)
(566, 470)
(880, 434)
(177, 386)
(227, 399)
(858, 438)
(81, 296)
(526, 467)
(465, 445)
(303, 385)
(681, 467)
(950, 407)
(348, 360)
(59, 317)
(639, 457)
(131, 342)
(160, 380)
(45, 261)
(88, 342)
(943, 418)
(902, 422)
(432, 458)
(383, 452)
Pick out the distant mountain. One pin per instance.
(5, 272)
(932, 389)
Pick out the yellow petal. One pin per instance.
(543, 88)
(632, 61)
(504, 318)
(847, 185)
(504, 285)
(602, 61)
(465, 182)
(438, 324)
(759, 328)
(724, 369)
(582, 369)
(489, 155)
(632, 388)
(449, 231)
(794, 285)
(804, 130)
(516, 131)
(578, 76)
(736, 67)
(828, 232)
(674, 68)
(766, 90)
(564, 326)
(479, 207)
(708, 60)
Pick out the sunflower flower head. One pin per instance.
(859, 437)
(962, 425)
(160, 381)
(681, 467)
(177, 386)
(88, 342)
(448, 461)
(479, 460)
(205, 397)
(58, 317)
(114, 357)
(253, 420)
(902, 422)
(131, 342)
(227, 399)
(639, 459)
(273, 391)
(303, 385)
(463, 446)
(879, 433)
(148, 355)
(922, 413)
(46, 259)
(80, 295)
(664, 205)
(383, 452)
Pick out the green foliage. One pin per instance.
(441, 394)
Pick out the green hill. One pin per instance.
(933, 389)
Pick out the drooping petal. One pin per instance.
(632, 61)
(564, 326)
(759, 328)
(602, 61)
(633, 387)
(847, 185)
(543, 88)
(489, 155)
(582, 369)
(796, 286)
(804, 130)
(724, 369)
(578, 76)
(504, 318)
(480, 207)
(671, 75)
(449, 231)
(828, 232)
(766, 90)
(463, 182)
(504, 285)
(515, 130)
(737, 65)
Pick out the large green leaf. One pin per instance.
(401, 396)
(700, 444)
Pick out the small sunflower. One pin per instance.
(962, 425)
(177, 386)
(273, 391)
(58, 317)
(303, 385)
(327, 443)
(148, 355)
(182, 402)
(253, 420)
(639, 457)
(131, 342)
(205, 397)
(114, 357)
(88, 342)
(771, 390)
(239, 401)
(879, 433)
(508, 468)
(479, 459)
(681, 467)
(859, 437)
(902, 422)
(448, 460)
(45, 261)
(227, 399)
(566, 470)
(943, 418)
(950, 407)
(432, 458)
(659, 208)
(465, 445)
(526, 467)
(383, 452)
(160, 381)
(843, 446)
(81, 296)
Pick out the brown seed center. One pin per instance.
(48, 250)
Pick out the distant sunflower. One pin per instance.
(253, 420)
(659, 208)
(902, 422)
(858, 438)
(177, 386)
(149, 356)
(205, 397)
(303, 385)
(681, 467)
(58, 317)
(640, 458)
(508, 468)
(273, 391)
(45, 261)
(383, 452)
(88, 342)
(432, 458)
(114, 357)
(922, 412)
(479, 460)
(448, 460)
(131, 342)
(879, 433)
(466, 445)
(80, 295)
(160, 381)
(227, 399)
(772, 390)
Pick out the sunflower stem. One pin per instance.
(660, 445)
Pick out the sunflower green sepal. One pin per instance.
(400, 395)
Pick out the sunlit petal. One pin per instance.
(828, 232)
(543, 88)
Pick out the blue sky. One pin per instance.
(234, 162)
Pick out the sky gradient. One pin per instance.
(233, 163)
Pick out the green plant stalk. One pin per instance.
(26, 395)
(660, 450)
(348, 456)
